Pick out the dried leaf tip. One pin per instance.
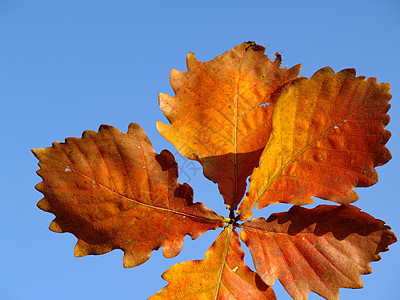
(251, 45)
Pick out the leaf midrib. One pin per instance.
(133, 200)
(145, 204)
(299, 154)
(227, 245)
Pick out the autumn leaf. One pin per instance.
(221, 275)
(221, 113)
(320, 250)
(113, 191)
(238, 115)
(328, 136)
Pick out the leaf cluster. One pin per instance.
(240, 115)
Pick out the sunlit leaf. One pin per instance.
(221, 113)
(238, 115)
(111, 190)
(328, 136)
(221, 275)
(319, 250)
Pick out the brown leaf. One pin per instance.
(112, 191)
(221, 113)
(320, 250)
(328, 136)
(221, 275)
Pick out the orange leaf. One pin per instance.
(221, 113)
(320, 250)
(328, 135)
(111, 190)
(221, 275)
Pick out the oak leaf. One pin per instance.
(221, 113)
(328, 136)
(221, 275)
(238, 115)
(113, 191)
(320, 250)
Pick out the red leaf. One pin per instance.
(319, 250)
(112, 191)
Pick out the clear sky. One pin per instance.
(68, 66)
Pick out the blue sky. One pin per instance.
(68, 66)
